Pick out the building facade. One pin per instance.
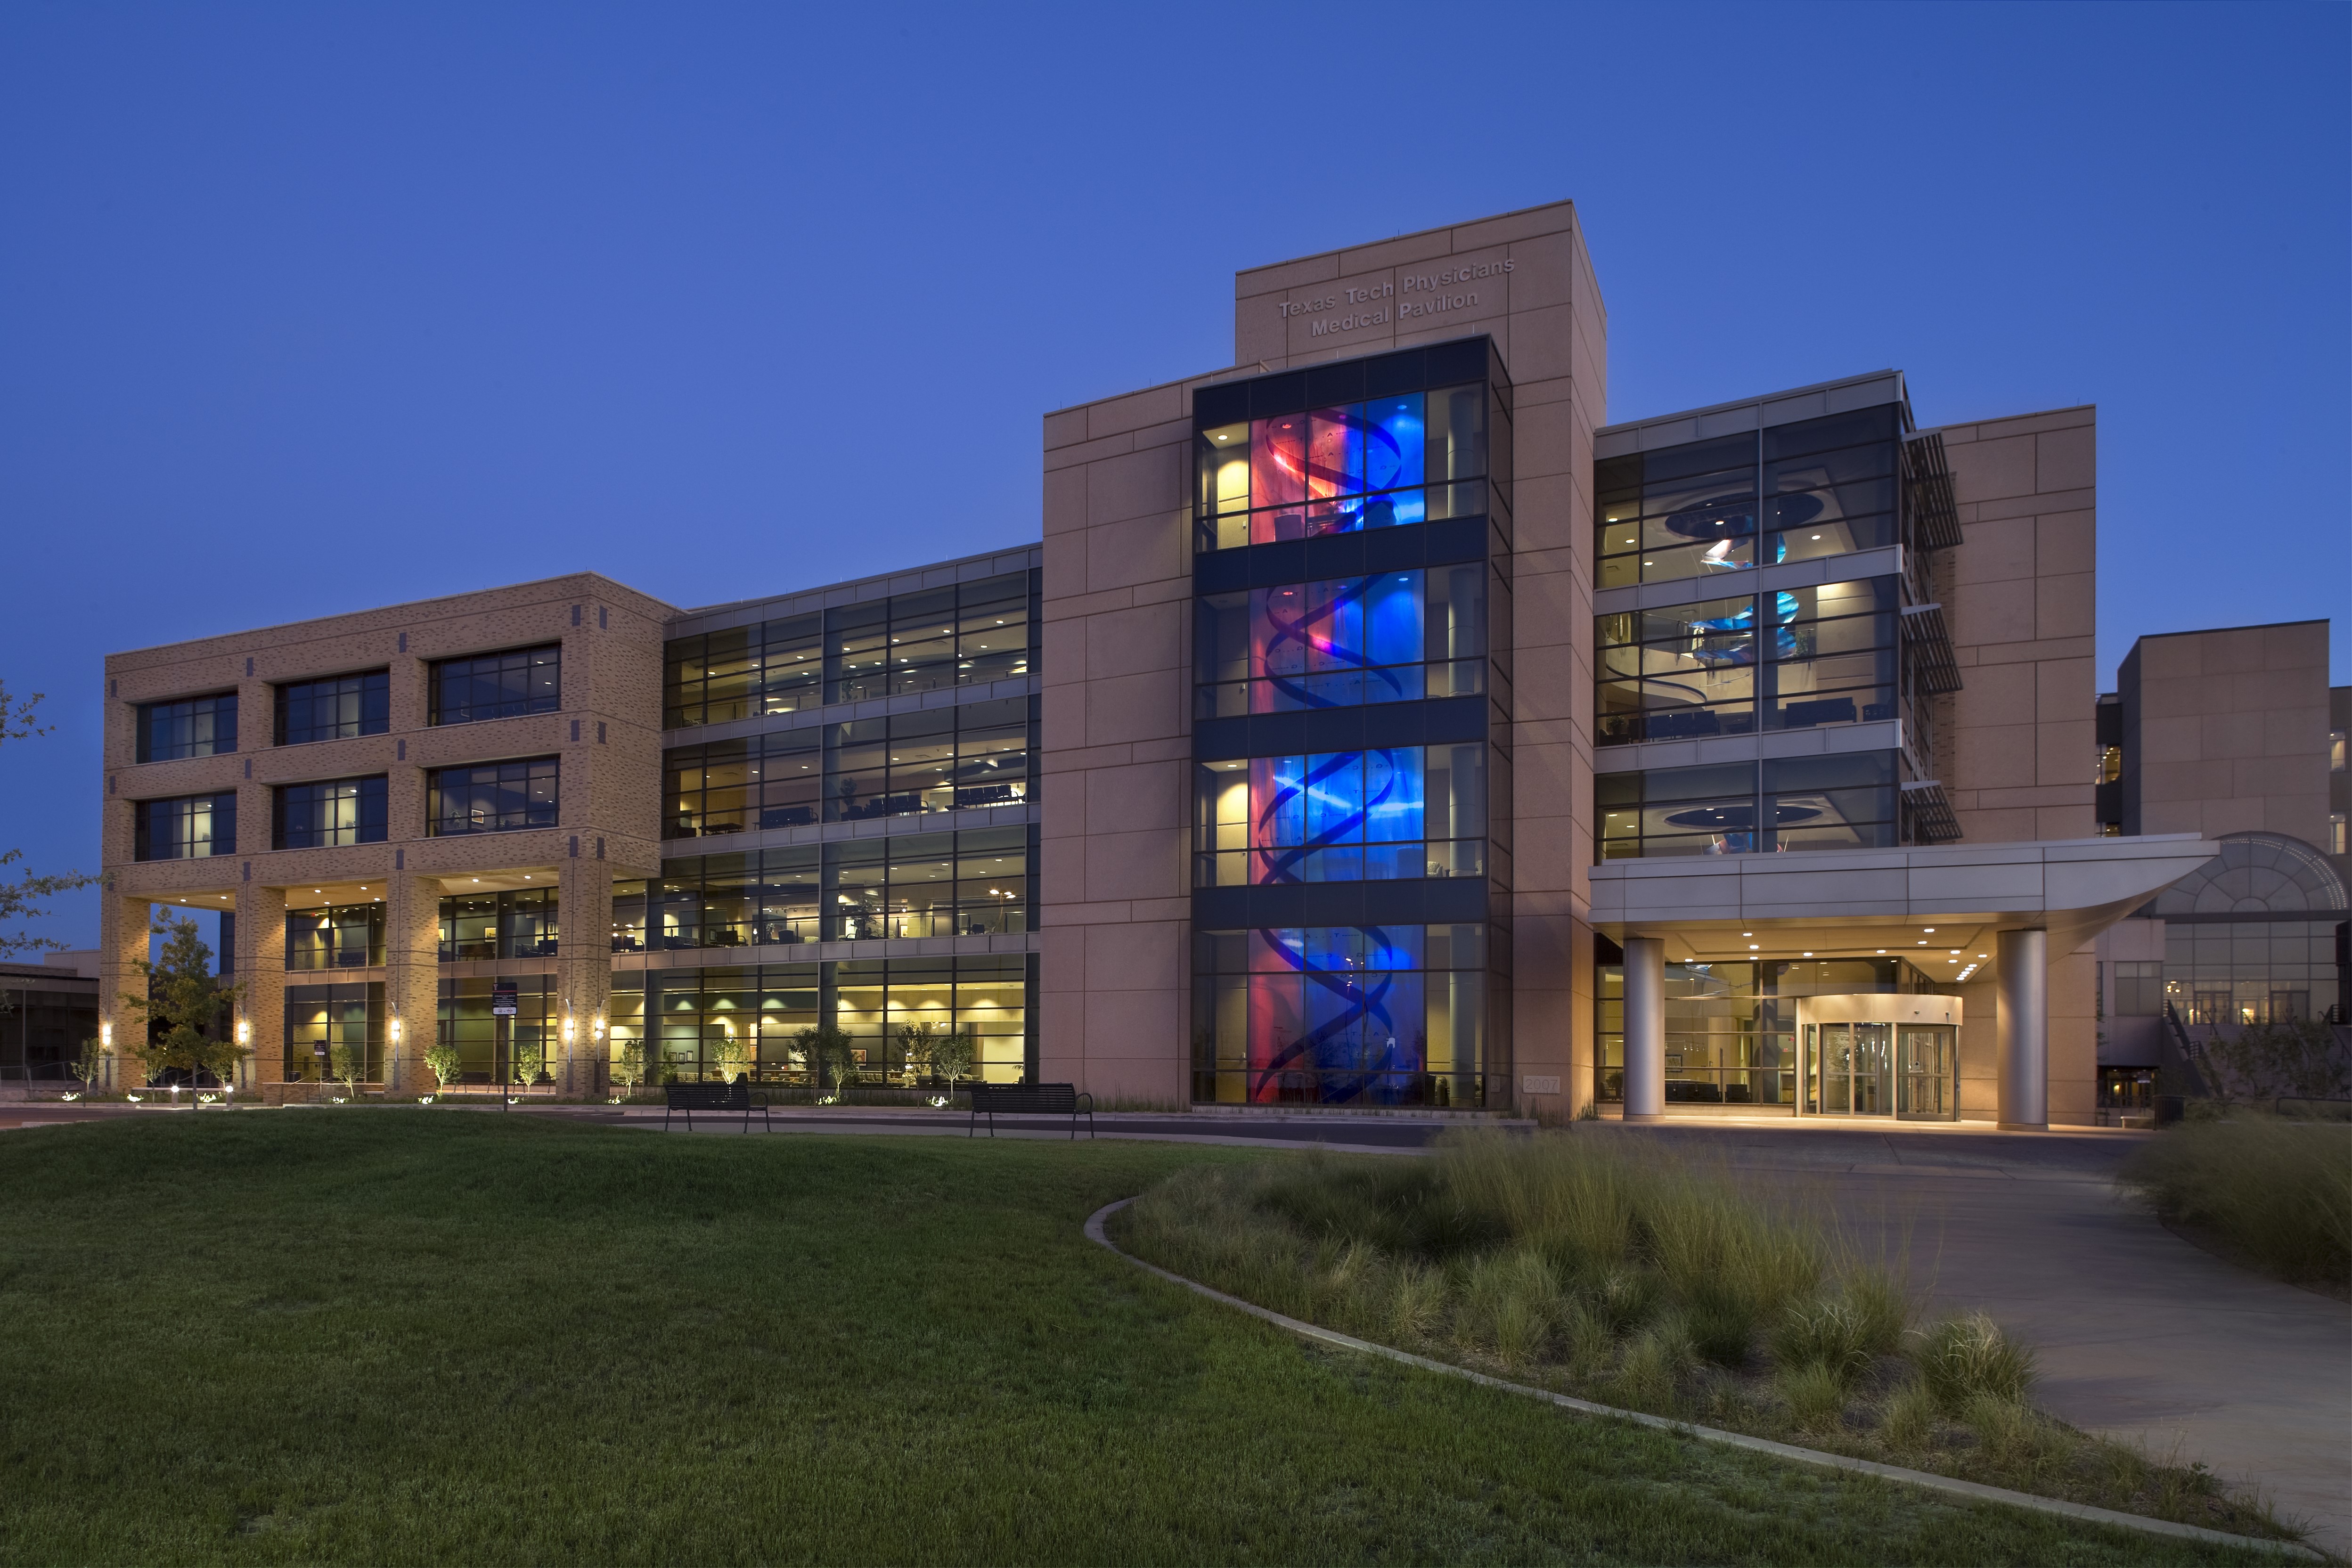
(1375, 725)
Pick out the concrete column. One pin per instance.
(1645, 1028)
(583, 973)
(261, 969)
(2023, 1028)
(122, 945)
(411, 981)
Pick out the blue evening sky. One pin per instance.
(308, 309)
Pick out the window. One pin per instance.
(1339, 1015)
(486, 1044)
(730, 787)
(777, 667)
(966, 758)
(2140, 990)
(192, 727)
(1341, 817)
(1843, 801)
(1731, 1029)
(329, 814)
(699, 1019)
(496, 685)
(2335, 834)
(320, 1018)
(186, 827)
(339, 936)
(1397, 637)
(1375, 464)
(1818, 487)
(518, 922)
(491, 798)
(921, 885)
(902, 888)
(2335, 754)
(1795, 660)
(335, 708)
(969, 635)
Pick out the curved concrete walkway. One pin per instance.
(2141, 1335)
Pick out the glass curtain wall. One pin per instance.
(1397, 637)
(486, 1042)
(900, 888)
(1796, 659)
(518, 923)
(339, 936)
(776, 779)
(1818, 487)
(705, 1021)
(1841, 800)
(320, 1018)
(1731, 1029)
(968, 634)
(1341, 817)
(1340, 1014)
(1389, 461)
(967, 758)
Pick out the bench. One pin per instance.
(1029, 1100)
(719, 1097)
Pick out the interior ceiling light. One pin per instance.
(1809, 955)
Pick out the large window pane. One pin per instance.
(491, 798)
(496, 685)
(192, 727)
(186, 827)
(329, 814)
(334, 707)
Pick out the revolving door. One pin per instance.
(1888, 1064)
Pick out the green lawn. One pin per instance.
(406, 1335)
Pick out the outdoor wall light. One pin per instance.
(106, 1036)
(596, 1028)
(567, 1028)
(392, 1026)
(244, 1031)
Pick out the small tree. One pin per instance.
(630, 1066)
(348, 1064)
(442, 1057)
(184, 1002)
(2295, 1058)
(951, 1056)
(20, 899)
(832, 1054)
(528, 1058)
(915, 1043)
(734, 1055)
(89, 1064)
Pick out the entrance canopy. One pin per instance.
(1940, 906)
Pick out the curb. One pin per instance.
(1973, 1490)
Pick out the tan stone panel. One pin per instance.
(1147, 864)
(1553, 218)
(1137, 485)
(1997, 552)
(1151, 549)
(2066, 541)
(2065, 460)
(1118, 415)
(1131, 707)
(1066, 504)
(1149, 957)
(1986, 469)
(1994, 756)
(1142, 799)
(1389, 254)
(2065, 605)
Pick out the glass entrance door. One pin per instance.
(1928, 1065)
(1851, 1073)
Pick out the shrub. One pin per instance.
(1831, 1333)
(2279, 1188)
(1907, 1420)
(1962, 1359)
(1655, 1362)
(1816, 1395)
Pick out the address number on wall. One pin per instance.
(1534, 1085)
